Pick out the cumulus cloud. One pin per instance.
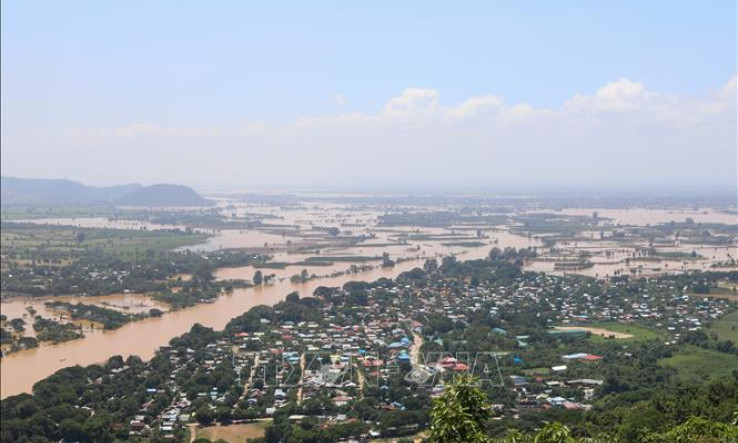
(474, 106)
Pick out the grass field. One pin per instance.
(536, 371)
(22, 242)
(726, 327)
(695, 365)
(28, 212)
(638, 332)
(234, 433)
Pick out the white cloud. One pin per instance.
(623, 95)
(623, 99)
(474, 106)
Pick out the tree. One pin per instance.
(554, 433)
(696, 429)
(203, 274)
(205, 415)
(430, 266)
(458, 415)
(223, 415)
(18, 324)
(258, 278)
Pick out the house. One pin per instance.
(519, 381)
(341, 400)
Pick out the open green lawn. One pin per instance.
(695, 365)
(638, 332)
(726, 327)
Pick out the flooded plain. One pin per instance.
(294, 236)
(20, 370)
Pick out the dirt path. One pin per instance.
(302, 377)
(253, 370)
(596, 331)
(415, 351)
(193, 431)
(361, 379)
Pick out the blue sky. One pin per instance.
(226, 64)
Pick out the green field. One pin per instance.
(696, 365)
(638, 332)
(726, 327)
(29, 212)
(536, 371)
(55, 244)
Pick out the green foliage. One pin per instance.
(695, 429)
(459, 414)
(55, 332)
(554, 433)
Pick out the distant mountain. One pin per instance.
(164, 195)
(57, 192)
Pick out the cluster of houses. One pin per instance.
(357, 346)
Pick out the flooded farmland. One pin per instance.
(294, 236)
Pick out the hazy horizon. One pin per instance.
(235, 96)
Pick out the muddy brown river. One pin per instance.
(20, 370)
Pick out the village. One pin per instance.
(359, 355)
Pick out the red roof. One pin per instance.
(591, 357)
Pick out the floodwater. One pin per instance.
(131, 303)
(609, 257)
(649, 216)
(22, 369)
(99, 222)
(301, 225)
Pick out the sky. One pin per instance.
(385, 94)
